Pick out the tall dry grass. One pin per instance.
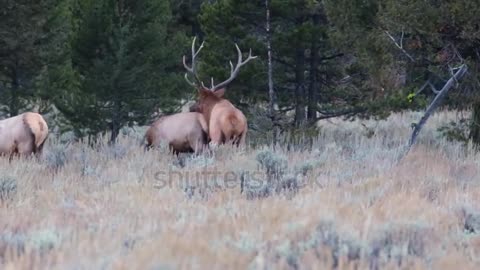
(344, 204)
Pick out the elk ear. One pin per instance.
(220, 92)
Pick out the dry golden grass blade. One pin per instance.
(346, 204)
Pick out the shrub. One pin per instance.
(8, 187)
(471, 219)
(307, 166)
(254, 188)
(397, 242)
(456, 131)
(326, 236)
(275, 164)
(56, 157)
(278, 177)
(115, 151)
(44, 240)
(198, 161)
(11, 241)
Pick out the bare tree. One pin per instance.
(271, 89)
(457, 73)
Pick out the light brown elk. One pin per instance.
(24, 134)
(183, 132)
(226, 123)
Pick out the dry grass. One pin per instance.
(347, 204)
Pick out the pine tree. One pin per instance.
(22, 35)
(414, 41)
(307, 64)
(125, 59)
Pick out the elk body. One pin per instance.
(226, 123)
(183, 132)
(24, 134)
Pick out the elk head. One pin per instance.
(214, 93)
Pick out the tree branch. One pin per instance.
(435, 103)
(283, 62)
(327, 115)
(332, 56)
(400, 45)
(428, 83)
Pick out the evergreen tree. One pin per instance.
(21, 38)
(185, 13)
(401, 45)
(125, 60)
(308, 67)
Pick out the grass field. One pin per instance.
(346, 203)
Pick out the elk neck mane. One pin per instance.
(208, 100)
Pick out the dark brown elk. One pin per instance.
(226, 123)
(24, 134)
(183, 132)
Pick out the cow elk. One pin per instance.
(23, 135)
(226, 123)
(183, 132)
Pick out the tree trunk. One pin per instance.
(14, 106)
(115, 132)
(312, 95)
(271, 90)
(299, 86)
(117, 107)
(116, 123)
(116, 115)
(475, 125)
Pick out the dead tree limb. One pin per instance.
(400, 45)
(435, 103)
(432, 87)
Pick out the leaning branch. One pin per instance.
(435, 103)
(432, 87)
(400, 45)
(345, 112)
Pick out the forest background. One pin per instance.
(97, 66)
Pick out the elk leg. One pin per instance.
(200, 144)
(13, 154)
(39, 151)
(242, 140)
(216, 136)
(198, 147)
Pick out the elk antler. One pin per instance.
(233, 71)
(193, 69)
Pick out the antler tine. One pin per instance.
(199, 49)
(250, 56)
(240, 56)
(192, 69)
(234, 70)
(188, 80)
(193, 47)
(185, 65)
(231, 67)
(194, 54)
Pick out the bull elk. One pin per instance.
(24, 134)
(183, 132)
(226, 123)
